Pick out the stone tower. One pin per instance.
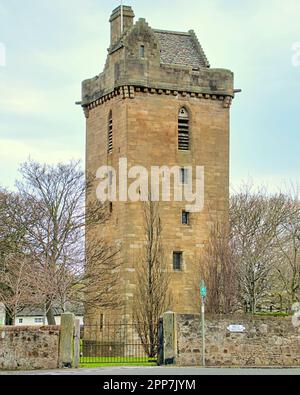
(158, 103)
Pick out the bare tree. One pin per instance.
(4, 228)
(288, 255)
(218, 268)
(56, 219)
(11, 233)
(14, 264)
(94, 284)
(17, 291)
(256, 220)
(152, 281)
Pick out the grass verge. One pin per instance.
(99, 362)
(276, 314)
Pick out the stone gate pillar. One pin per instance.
(66, 341)
(170, 338)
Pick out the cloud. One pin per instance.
(56, 44)
(71, 63)
(20, 98)
(13, 153)
(271, 182)
(30, 102)
(3, 11)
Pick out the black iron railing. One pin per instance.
(113, 343)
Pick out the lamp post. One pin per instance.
(203, 293)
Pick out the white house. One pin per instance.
(36, 316)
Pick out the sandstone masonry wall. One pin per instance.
(267, 341)
(144, 95)
(29, 348)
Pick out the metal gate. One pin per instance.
(113, 343)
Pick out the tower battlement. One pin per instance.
(142, 57)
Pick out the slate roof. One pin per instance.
(39, 312)
(181, 49)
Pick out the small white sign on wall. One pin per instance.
(236, 328)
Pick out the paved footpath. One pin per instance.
(160, 371)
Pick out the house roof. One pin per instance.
(39, 312)
(181, 49)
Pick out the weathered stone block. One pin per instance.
(169, 333)
(26, 351)
(251, 349)
(66, 340)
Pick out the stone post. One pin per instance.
(170, 338)
(2, 314)
(66, 341)
(77, 344)
(160, 354)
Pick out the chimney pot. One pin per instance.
(116, 21)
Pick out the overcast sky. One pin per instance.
(52, 45)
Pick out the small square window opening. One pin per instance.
(177, 261)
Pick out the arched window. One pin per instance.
(183, 130)
(110, 134)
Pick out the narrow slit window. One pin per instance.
(142, 51)
(183, 130)
(110, 134)
(101, 322)
(177, 261)
(184, 176)
(185, 218)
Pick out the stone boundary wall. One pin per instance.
(267, 341)
(29, 347)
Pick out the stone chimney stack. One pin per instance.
(117, 20)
